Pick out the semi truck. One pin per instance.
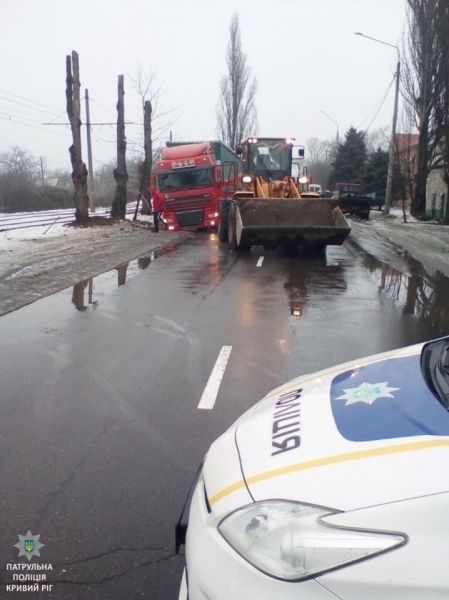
(269, 210)
(192, 178)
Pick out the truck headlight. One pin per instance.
(290, 541)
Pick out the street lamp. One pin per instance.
(333, 121)
(388, 192)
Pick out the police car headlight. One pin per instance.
(290, 541)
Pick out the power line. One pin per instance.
(126, 123)
(54, 110)
(17, 121)
(101, 105)
(18, 115)
(17, 102)
(382, 102)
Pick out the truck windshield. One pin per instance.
(179, 180)
(271, 158)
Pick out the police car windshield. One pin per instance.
(435, 369)
(179, 180)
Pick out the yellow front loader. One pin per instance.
(268, 210)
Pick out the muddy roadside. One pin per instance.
(37, 267)
(394, 242)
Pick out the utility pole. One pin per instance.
(89, 154)
(391, 155)
(42, 171)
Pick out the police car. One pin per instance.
(335, 485)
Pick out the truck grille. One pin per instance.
(187, 202)
(191, 218)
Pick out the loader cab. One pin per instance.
(270, 158)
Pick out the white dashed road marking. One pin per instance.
(260, 261)
(213, 385)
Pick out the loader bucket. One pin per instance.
(313, 223)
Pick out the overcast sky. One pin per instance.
(303, 53)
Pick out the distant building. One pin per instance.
(437, 203)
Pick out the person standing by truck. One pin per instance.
(157, 202)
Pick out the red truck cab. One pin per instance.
(191, 179)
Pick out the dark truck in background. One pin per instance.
(352, 199)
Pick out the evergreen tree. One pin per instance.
(350, 162)
(376, 173)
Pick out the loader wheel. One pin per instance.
(222, 228)
(231, 228)
(232, 236)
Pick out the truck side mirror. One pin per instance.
(239, 149)
(300, 151)
(218, 174)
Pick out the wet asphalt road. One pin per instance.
(100, 433)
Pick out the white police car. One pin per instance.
(333, 486)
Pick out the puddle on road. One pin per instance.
(87, 293)
(310, 278)
(418, 290)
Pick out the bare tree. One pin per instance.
(419, 91)
(19, 162)
(320, 154)
(236, 112)
(378, 138)
(407, 148)
(79, 174)
(442, 90)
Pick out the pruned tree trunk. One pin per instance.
(118, 210)
(79, 173)
(147, 165)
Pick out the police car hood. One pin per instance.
(364, 433)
